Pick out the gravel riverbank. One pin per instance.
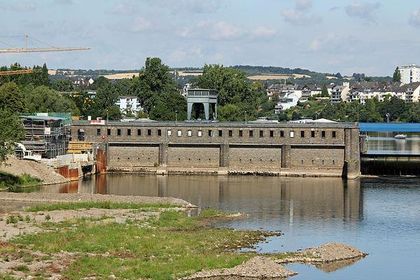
(35, 169)
(79, 197)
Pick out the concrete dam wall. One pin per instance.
(286, 149)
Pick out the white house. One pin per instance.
(129, 105)
(288, 101)
(409, 74)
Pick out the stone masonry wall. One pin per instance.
(194, 157)
(131, 157)
(255, 158)
(316, 158)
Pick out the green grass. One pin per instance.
(98, 205)
(171, 246)
(4, 276)
(17, 183)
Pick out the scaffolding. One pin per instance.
(46, 136)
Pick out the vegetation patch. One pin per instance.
(13, 183)
(170, 246)
(98, 205)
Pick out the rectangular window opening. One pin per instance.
(220, 133)
(302, 134)
(119, 131)
(241, 133)
(313, 134)
(159, 132)
(282, 133)
(108, 131)
(251, 133)
(149, 132)
(230, 133)
(334, 134)
(271, 133)
(261, 133)
(138, 132)
(128, 132)
(323, 134)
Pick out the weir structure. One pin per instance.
(283, 149)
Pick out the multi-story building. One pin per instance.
(410, 74)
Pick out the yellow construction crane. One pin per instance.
(27, 49)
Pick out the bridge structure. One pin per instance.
(272, 148)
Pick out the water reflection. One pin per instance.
(264, 198)
(381, 142)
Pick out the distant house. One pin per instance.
(412, 92)
(129, 105)
(368, 90)
(288, 101)
(340, 93)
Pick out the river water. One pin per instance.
(380, 216)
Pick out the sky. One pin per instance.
(345, 36)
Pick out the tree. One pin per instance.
(168, 106)
(62, 85)
(393, 106)
(11, 131)
(231, 112)
(11, 98)
(104, 102)
(158, 92)
(397, 75)
(324, 92)
(234, 88)
(44, 99)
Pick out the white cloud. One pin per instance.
(301, 15)
(415, 18)
(303, 4)
(188, 7)
(183, 56)
(363, 11)
(125, 8)
(18, 6)
(64, 2)
(224, 31)
(141, 24)
(300, 18)
(214, 30)
(263, 32)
